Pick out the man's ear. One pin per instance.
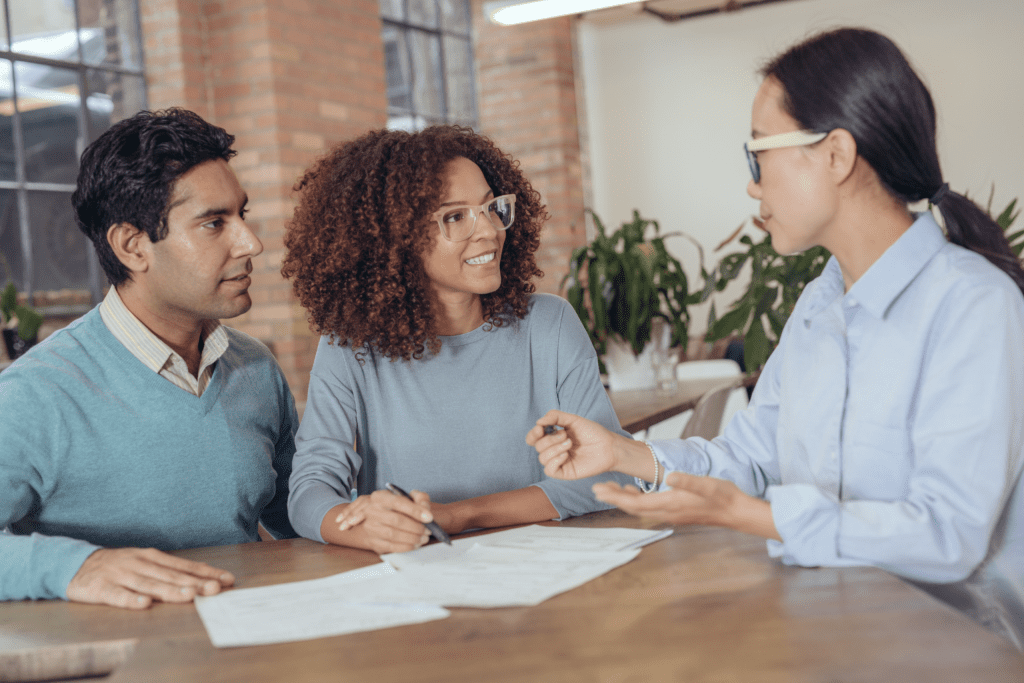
(131, 246)
(842, 150)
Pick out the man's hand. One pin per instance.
(694, 500)
(133, 578)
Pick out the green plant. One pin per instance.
(775, 284)
(29, 320)
(1005, 220)
(619, 283)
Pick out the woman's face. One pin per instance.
(471, 267)
(798, 199)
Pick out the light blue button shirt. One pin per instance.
(886, 428)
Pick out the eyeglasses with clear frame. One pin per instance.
(458, 223)
(794, 138)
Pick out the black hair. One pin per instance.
(858, 80)
(128, 174)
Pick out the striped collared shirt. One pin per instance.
(155, 354)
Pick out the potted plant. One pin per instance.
(776, 283)
(20, 323)
(625, 287)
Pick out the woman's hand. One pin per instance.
(381, 521)
(580, 449)
(694, 500)
(583, 449)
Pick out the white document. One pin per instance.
(303, 610)
(534, 537)
(490, 576)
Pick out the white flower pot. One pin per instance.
(626, 371)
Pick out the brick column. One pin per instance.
(527, 99)
(288, 78)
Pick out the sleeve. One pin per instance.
(326, 464)
(31, 566)
(275, 515)
(580, 392)
(965, 442)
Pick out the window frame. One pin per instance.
(21, 186)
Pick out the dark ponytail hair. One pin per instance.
(858, 80)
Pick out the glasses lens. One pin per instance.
(457, 223)
(503, 210)
(755, 168)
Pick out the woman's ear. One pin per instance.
(842, 151)
(130, 245)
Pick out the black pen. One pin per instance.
(433, 527)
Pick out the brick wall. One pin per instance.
(527, 104)
(289, 78)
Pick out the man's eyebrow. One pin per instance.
(462, 202)
(221, 211)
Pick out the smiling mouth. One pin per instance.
(481, 260)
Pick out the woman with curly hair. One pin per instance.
(413, 255)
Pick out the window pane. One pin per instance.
(45, 28)
(392, 9)
(396, 64)
(60, 251)
(49, 102)
(426, 60)
(10, 241)
(112, 97)
(7, 169)
(109, 32)
(459, 63)
(455, 15)
(422, 12)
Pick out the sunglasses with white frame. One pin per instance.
(794, 138)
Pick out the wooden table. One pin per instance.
(705, 604)
(640, 408)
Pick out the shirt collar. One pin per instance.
(148, 347)
(888, 276)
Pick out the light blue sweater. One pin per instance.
(98, 450)
(452, 424)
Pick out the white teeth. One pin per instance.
(480, 260)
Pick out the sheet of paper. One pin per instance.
(488, 576)
(534, 537)
(303, 610)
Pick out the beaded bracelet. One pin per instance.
(643, 485)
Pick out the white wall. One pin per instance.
(668, 105)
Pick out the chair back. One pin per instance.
(707, 369)
(706, 421)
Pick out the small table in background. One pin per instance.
(638, 409)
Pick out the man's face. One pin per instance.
(200, 270)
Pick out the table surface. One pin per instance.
(640, 408)
(705, 604)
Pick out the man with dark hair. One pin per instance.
(146, 423)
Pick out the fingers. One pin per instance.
(552, 418)
(133, 578)
(388, 522)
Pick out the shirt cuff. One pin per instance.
(675, 455)
(808, 522)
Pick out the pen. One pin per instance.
(433, 527)
(550, 429)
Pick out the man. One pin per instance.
(146, 422)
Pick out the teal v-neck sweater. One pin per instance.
(98, 450)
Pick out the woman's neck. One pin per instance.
(869, 221)
(457, 313)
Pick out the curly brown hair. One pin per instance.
(355, 242)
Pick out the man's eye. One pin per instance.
(213, 225)
(243, 213)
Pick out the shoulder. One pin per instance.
(246, 346)
(548, 309)
(249, 353)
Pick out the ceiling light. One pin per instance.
(519, 13)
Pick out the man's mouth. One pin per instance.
(482, 259)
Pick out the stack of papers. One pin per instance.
(523, 566)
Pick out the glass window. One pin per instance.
(428, 57)
(71, 70)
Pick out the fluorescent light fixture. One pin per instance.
(519, 13)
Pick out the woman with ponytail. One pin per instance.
(887, 427)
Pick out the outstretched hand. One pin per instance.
(133, 578)
(694, 500)
(582, 448)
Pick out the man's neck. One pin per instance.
(183, 335)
